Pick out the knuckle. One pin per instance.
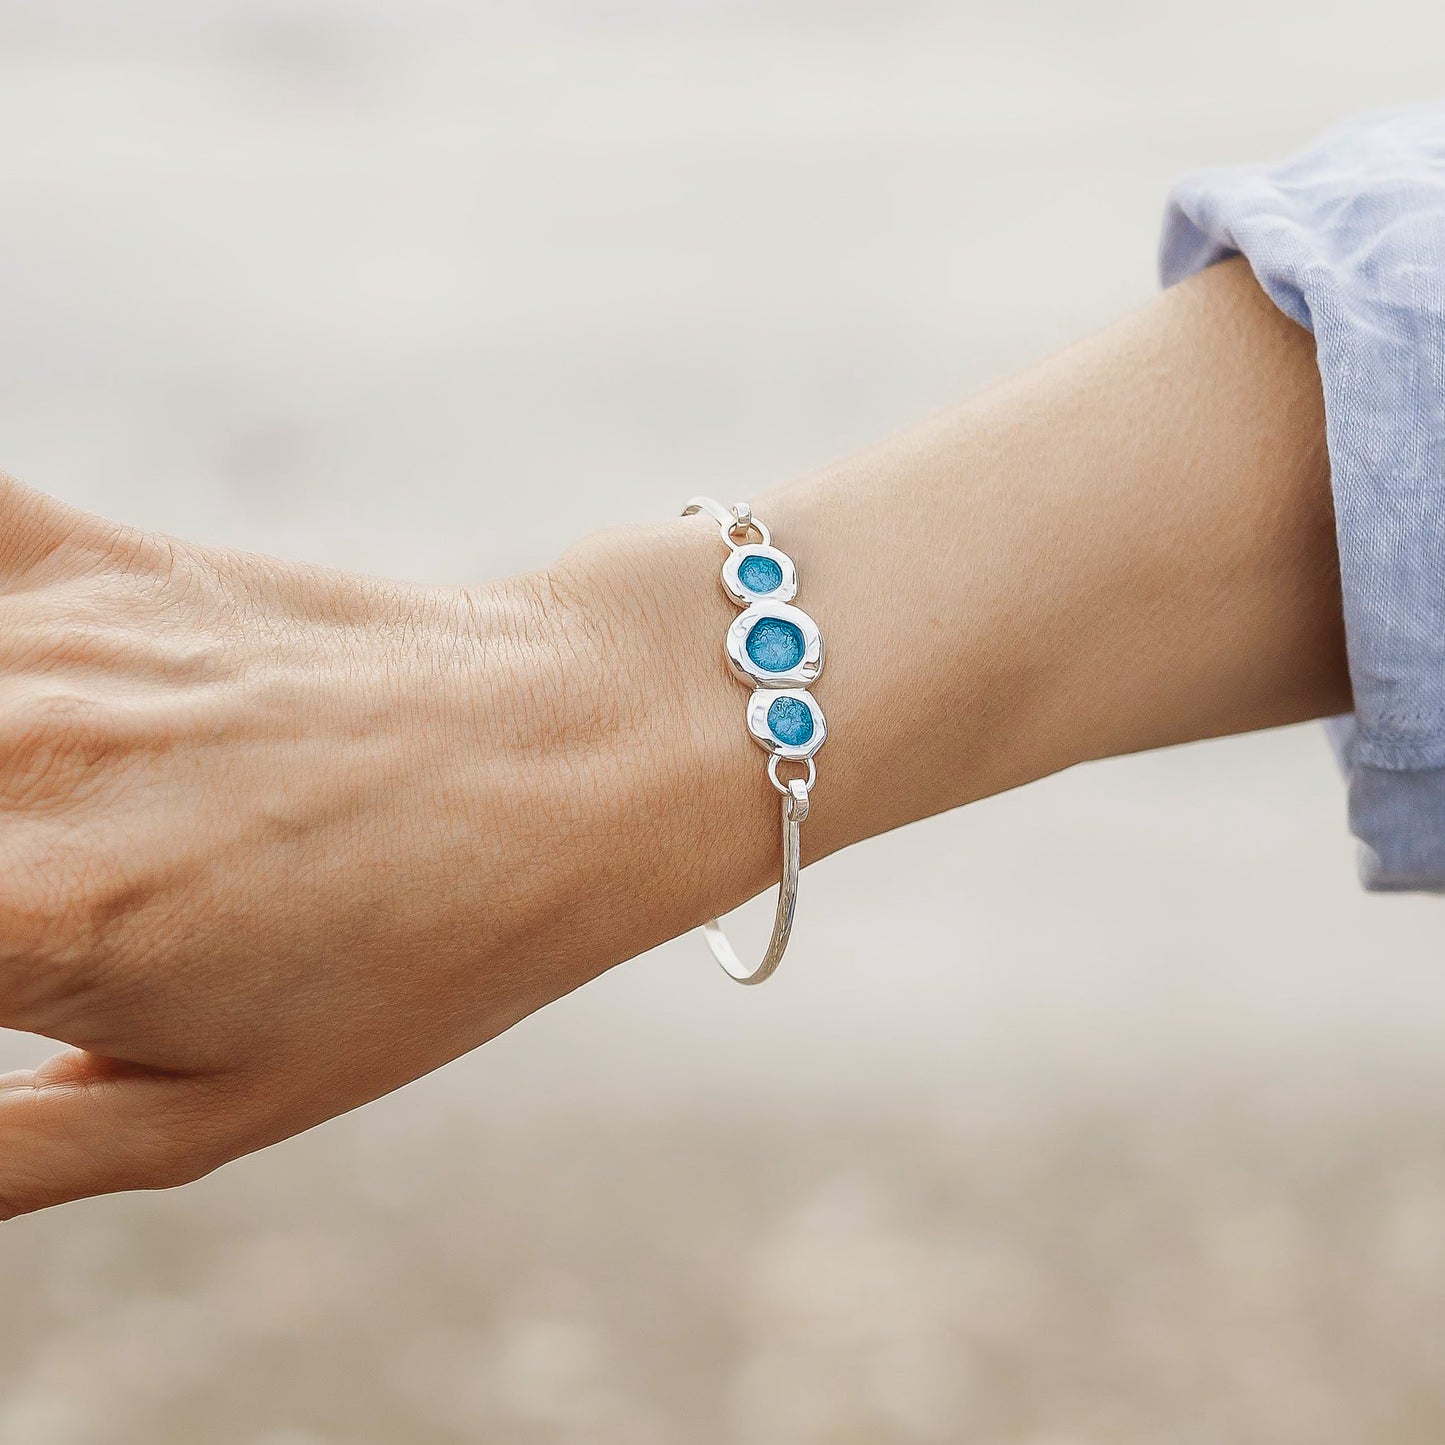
(136, 551)
(155, 569)
(113, 547)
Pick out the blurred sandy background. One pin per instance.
(1109, 1111)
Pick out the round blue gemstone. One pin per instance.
(775, 644)
(790, 721)
(760, 574)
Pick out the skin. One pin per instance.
(276, 840)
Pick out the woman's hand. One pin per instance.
(274, 841)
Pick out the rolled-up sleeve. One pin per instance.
(1348, 239)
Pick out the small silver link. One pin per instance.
(742, 519)
(783, 787)
(733, 522)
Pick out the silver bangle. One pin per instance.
(777, 651)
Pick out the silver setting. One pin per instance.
(759, 704)
(785, 591)
(735, 524)
(736, 642)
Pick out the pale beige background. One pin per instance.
(1109, 1111)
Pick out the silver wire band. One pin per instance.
(736, 523)
(794, 809)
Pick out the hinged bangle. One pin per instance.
(777, 651)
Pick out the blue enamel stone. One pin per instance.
(790, 721)
(775, 645)
(760, 574)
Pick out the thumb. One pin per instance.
(81, 1125)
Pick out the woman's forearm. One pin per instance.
(1128, 546)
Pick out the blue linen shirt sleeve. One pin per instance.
(1348, 239)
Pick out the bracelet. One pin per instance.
(777, 650)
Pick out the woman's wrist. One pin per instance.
(640, 616)
(660, 753)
